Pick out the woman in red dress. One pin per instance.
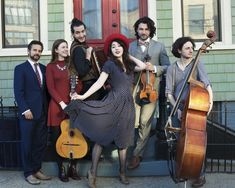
(58, 84)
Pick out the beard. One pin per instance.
(35, 57)
(143, 37)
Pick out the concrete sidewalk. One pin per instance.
(14, 179)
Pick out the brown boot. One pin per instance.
(134, 163)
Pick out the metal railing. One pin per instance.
(221, 140)
(10, 157)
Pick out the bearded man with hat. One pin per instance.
(150, 51)
(110, 120)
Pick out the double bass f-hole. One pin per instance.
(148, 93)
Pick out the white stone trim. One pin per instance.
(152, 13)
(68, 16)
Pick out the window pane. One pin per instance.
(128, 15)
(91, 14)
(21, 22)
(200, 16)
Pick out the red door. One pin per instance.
(104, 17)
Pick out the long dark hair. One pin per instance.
(150, 23)
(128, 63)
(54, 55)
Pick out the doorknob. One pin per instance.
(114, 25)
(114, 11)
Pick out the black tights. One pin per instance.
(96, 152)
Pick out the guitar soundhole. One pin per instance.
(71, 133)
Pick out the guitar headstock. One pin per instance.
(73, 83)
(207, 43)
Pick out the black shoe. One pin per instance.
(123, 179)
(199, 182)
(62, 174)
(72, 172)
(91, 180)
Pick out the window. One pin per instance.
(92, 18)
(194, 18)
(20, 22)
(128, 16)
(200, 16)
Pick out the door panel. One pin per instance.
(104, 17)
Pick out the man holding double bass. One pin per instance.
(177, 74)
(146, 84)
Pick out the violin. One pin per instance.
(148, 94)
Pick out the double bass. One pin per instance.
(192, 141)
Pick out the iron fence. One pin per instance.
(9, 138)
(221, 139)
(220, 155)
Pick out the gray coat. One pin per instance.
(158, 54)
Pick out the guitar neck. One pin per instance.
(73, 83)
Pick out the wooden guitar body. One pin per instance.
(71, 143)
(191, 145)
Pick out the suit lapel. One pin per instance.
(31, 71)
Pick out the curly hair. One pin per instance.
(178, 45)
(150, 23)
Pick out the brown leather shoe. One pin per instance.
(134, 163)
(41, 176)
(199, 182)
(32, 180)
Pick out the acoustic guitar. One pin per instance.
(71, 143)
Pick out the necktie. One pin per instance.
(37, 74)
